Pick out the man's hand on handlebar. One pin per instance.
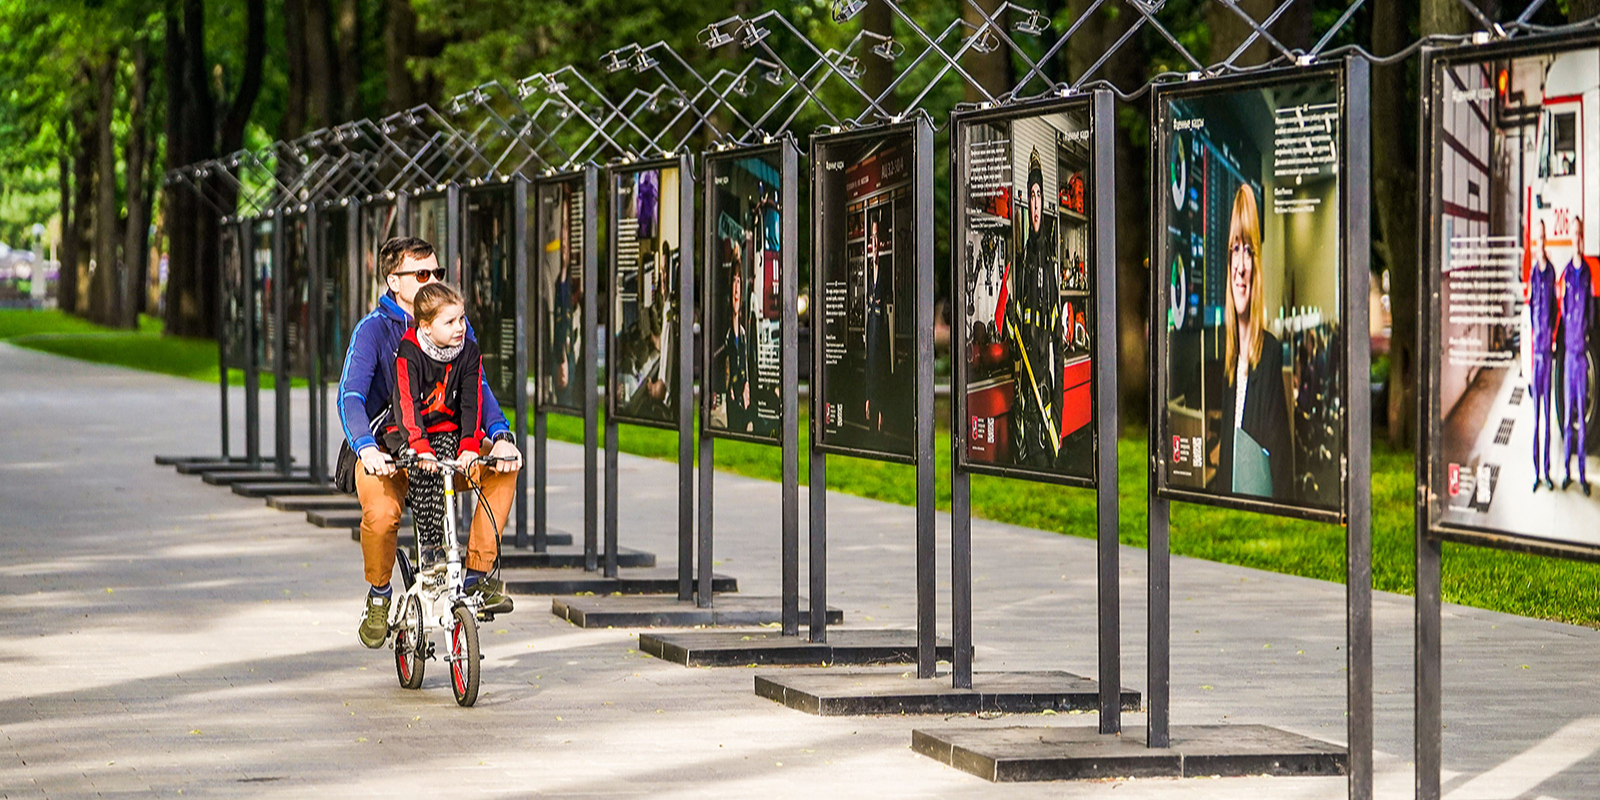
(376, 462)
(509, 457)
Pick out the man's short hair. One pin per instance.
(393, 253)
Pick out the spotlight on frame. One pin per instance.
(751, 34)
(1033, 24)
(714, 37)
(888, 49)
(846, 10)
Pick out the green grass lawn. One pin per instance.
(53, 331)
(1512, 582)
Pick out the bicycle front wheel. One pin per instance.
(464, 655)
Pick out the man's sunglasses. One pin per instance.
(437, 273)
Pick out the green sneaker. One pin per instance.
(493, 593)
(375, 627)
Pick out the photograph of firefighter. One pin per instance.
(865, 214)
(745, 313)
(1254, 260)
(558, 296)
(644, 282)
(1027, 317)
(1513, 334)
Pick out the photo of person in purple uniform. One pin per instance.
(1541, 346)
(1575, 283)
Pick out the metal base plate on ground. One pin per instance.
(255, 476)
(769, 647)
(323, 503)
(409, 539)
(290, 487)
(172, 461)
(647, 611)
(568, 558)
(203, 467)
(633, 581)
(1082, 753)
(833, 693)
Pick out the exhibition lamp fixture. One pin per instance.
(1032, 24)
(846, 10)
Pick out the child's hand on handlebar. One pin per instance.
(428, 462)
(466, 459)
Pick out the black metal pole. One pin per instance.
(1358, 411)
(1158, 672)
(589, 369)
(789, 375)
(703, 594)
(960, 478)
(817, 489)
(1107, 516)
(520, 242)
(313, 340)
(1429, 712)
(611, 385)
(927, 562)
(685, 398)
(252, 342)
(222, 338)
(282, 426)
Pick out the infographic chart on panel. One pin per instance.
(261, 267)
(490, 285)
(1028, 310)
(645, 301)
(1516, 191)
(297, 293)
(558, 325)
(744, 312)
(379, 224)
(235, 299)
(335, 324)
(866, 232)
(1251, 266)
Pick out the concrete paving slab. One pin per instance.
(201, 639)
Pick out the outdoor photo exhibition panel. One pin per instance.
(235, 331)
(1511, 265)
(488, 282)
(380, 222)
(872, 342)
(646, 263)
(562, 293)
(750, 372)
(1511, 155)
(743, 310)
(864, 387)
(650, 358)
(1251, 381)
(1025, 293)
(1035, 309)
(433, 218)
(1260, 368)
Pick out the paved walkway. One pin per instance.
(160, 636)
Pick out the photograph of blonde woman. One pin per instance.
(1254, 446)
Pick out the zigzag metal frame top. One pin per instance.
(494, 131)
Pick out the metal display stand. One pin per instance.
(1441, 97)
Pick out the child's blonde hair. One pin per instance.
(431, 299)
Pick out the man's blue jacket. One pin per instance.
(367, 383)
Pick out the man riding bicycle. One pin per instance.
(366, 388)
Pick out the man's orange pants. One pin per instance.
(383, 500)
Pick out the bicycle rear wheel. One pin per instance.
(464, 655)
(410, 645)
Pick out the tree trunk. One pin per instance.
(136, 235)
(107, 276)
(1228, 31)
(1125, 69)
(324, 101)
(992, 70)
(349, 58)
(1580, 10)
(1394, 185)
(294, 26)
(877, 72)
(67, 250)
